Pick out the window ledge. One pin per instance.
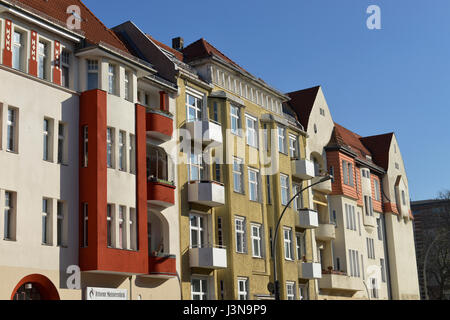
(46, 245)
(9, 240)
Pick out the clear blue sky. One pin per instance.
(394, 79)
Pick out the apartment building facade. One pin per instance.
(80, 119)
(365, 240)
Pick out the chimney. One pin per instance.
(178, 43)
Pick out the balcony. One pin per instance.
(160, 193)
(159, 124)
(307, 219)
(206, 131)
(339, 281)
(208, 258)
(207, 193)
(309, 270)
(324, 187)
(326, 232)
(162, 267)
(303, 169)
(369, 221)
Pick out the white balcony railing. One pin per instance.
(206, 131)
(207, 193)
(309, 270)
(208, 257)
(303, 169)
(307, 219)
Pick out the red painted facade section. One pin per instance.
(160, 192)
(93, 191)
(163, 101)
(159, 123)
(162, 266)
(7, 51)
(57, 64)
(32, 62)
(46, 288)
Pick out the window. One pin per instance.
(403, 198)
(46, 221)
(354, 263)
(257, 240)
(110, 147)
(195, 167)
(332, 174)
(47, 139)
(242, 289)
(284, 189)
(122, 227)
(199, 289)
(238, 175)
(235, 120)
(92, 74)
(303, 292)
(220, 231)
(111, 79)
(132, 150)
(85, 225)
(290, 290)
(397, 166)
(62, 143)
(379, 229)
(241, 237)
(11, 129)
(365, 173)
(269, 192)
(374, 292)
(194, 108)
(17, 50)
(298, 201)
(301, 245)
(376, 186)
(271, 242)
(334, 218)
(316, 167)
(288, 244)
(253, 177)
(368, 206)
(122, 151)
(215, 112)
(109, 224)
(9, 218)
(60, 224)
(383, 270)
(322, 112)
(293, 146)
(42, 60)
(348, 173)
(127, 83)
(370, 248)
(65, 66)
(252, 136)
(198, 232)
(350, 217)
(85, 146)
(281, 140)
(133, 230)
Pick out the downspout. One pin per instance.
(385, 245)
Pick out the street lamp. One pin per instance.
(274, 247)
(426, 260)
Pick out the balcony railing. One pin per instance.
(207, 193)
(162, 266)
(325, 187)
(335, 280)
(207, 131)
(309, 270)
(159, 124)
(302, 169)
(326, 232)
(307, 219)
(208, 257)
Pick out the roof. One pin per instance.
(345, 137)
(92, 28)
(302, 103)
(379, 146)
(203, 49)
(179, 55)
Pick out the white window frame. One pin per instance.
(127, 84)
(204, 288)
(252, 131)
(288, 248)
(293, 146)
(235, 118)
(202, 235)
(65, 67)
(300, 243)
(298, 201)
(253, 184)
(285, 189)
(121, 221)
(240, 234)
(290, 290)
(243, 294)
(46, 221)
(42, 58)
(122, 151)
(197, 107)
(17, 45)
(47, 134)
(196, 161)
(282, 139)
(238, 175)
(256, 235)
(92, 69)
(8, 216)
(11, 130)
(112, 78)
(110, 147)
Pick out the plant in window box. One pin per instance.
(162, 181)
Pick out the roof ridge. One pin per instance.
(301, 90)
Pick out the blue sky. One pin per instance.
(375, 81)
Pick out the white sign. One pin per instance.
(106, 294)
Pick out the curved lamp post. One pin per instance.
(274, 247)
(426, 260)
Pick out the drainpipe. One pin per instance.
(385, 245)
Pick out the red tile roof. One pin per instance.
(379, 146)
(202, 49)
(94, 30)
(175, 52)
(302, 102)
(350, 139)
